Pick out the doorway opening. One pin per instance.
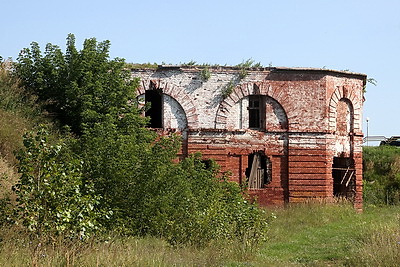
(259, 171)
(343, 174)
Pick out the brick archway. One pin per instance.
(241, 91)
(176, 93)
(344, 93)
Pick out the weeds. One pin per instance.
(245, 65)
(205, 73)
(117, 251)
(227, 90)
(141, 66)
(313, 234)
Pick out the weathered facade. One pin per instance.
(290, 133)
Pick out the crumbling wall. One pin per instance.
(307, 121)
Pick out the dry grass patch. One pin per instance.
(126, 251)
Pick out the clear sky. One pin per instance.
(358, 35)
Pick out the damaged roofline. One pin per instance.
(295, 69)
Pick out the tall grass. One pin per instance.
(15, 119)
(313, 234)
(318, 234)
(379, 244)
(379, 247)
(13, 97)
(117, 251)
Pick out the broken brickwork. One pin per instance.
(290, 134)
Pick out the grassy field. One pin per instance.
(301, 235)
(310, 234)
(318, 235)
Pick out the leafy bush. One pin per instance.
(381, 175)
(116, 157)
(193, 204)
(149, 194)
(53, 198)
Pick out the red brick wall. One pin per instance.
(307, 113)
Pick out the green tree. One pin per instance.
(131, 167)
(53, 197)
(80, 87)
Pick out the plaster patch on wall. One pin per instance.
(174, 115)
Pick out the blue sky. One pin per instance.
(357, 35)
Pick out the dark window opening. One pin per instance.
(259, 171)
(153, 99)
(208, 164)
(343, 174)
(256, 111)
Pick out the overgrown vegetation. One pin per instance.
(243, 72)
(381, 175)
(104, 172)
(228, 89)
(245, 65)
(141, 65)
(205, 73)
(18, 112)
(53, 197)
(313, 234)
(97, 187)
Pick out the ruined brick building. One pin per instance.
(290, 133)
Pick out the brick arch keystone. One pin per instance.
(175, 92)
(241, 91)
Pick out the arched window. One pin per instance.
(344, 117)
(163, 110)
(153, 99)
(256, 110)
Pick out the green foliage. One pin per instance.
(18, 112)
(115, 152)
(371, 81)
(6, 209)
(228, 89)
(205, 73)
(381, 175)
(81, 87)
(245, 65)
(190, 63)
(300, 235)
(13, 97)
(116, 157)
(151, 195)
(141, 65)
(53, 198)
(207, 207)
(243, 72)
